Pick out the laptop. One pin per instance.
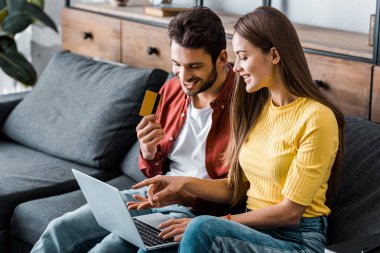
(112, 214)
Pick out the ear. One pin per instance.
(222, 59)
(275, 56)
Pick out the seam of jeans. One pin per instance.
(254, 244)
(87, 238)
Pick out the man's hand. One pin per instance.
(174, 228)
(149, 133)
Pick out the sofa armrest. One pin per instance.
(8, 103)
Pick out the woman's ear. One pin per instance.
(275, 55)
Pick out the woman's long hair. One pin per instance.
(266, 28)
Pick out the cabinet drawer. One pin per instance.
(145, 46)
(91, 34)
(349, 83)
(375, 109)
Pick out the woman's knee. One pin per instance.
(202, 226)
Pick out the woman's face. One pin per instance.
(252, 64)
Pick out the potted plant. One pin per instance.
(16, 16)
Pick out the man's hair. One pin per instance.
(198, 28)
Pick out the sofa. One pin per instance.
(82, 114)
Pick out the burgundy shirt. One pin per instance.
(172, 115)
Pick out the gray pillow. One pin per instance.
(83, 110)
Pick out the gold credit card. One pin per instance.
(150, 104)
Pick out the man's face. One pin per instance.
(193, 68)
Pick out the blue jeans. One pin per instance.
(78, 231)
(211, 234)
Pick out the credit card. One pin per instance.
(150, 103)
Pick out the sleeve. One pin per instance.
(151, 168)
(318, 142)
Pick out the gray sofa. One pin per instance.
(62, 125)
(82, 114)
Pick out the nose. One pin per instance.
(237, 67)
(184, 74)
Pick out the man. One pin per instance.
(186, 137)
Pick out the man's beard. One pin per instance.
(207, 84)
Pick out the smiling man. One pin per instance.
(186, 137)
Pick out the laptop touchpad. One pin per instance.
(153, 219)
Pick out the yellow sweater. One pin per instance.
(289, 154)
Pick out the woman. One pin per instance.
(285, 149)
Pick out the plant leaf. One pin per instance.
(39, 3)
(16, 22)
(7, 43)
(15, 64)
(39, 14)
(15, 5)
(3, 13)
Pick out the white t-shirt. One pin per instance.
(189, 150)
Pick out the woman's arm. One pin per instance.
(214, 190)
(285, 213)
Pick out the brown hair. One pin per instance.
(198, 28)
(266, 28)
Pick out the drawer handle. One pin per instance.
(322, 84)
(152, 50)
(88, 36)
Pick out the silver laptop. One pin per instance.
(111, 213)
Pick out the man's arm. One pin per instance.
(150, 133)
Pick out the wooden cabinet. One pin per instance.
(348, 82)
(230, 52)
(128, 39)
(91, 34)
(128, 35)
(375, 112)
(145, 46)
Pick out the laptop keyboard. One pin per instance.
(149, 234)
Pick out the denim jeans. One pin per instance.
(211, 234)
(78, 231)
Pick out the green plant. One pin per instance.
(16, 16)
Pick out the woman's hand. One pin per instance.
(142, 203)
(163, 189)
(174, 228)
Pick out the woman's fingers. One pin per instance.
(174, 228)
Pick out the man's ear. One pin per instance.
(223, 57)
(275, 56)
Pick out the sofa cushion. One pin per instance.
(29, 222)
(130, 164)
(83, 110)
(356, 210)
(28, 174)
